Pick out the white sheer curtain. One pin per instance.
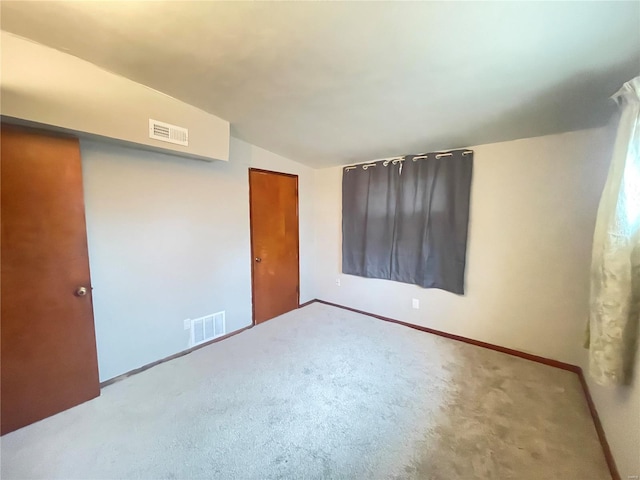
(615, 268)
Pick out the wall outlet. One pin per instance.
(337, 281)
(187, 324)
(415, 303)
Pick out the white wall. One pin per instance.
(619, 412)
(533, 207)
(169, 240)
(619, 407)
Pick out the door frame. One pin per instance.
(253, 298)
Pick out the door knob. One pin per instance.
(81, 291)
(258, 259)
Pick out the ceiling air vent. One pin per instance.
(166, 132)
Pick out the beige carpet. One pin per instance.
(322, 393)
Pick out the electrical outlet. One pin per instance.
(187, 324)
(337, 281)
(415, 303)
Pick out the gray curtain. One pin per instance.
(408, 221)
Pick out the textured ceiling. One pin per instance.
(336, 82)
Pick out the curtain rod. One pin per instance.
(396, 160)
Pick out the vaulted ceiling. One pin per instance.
(328, 83)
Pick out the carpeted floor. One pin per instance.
(323, 393)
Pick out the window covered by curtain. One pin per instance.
(407, 220)
(615, 267)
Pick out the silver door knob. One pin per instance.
(81, 291)
(258, 259)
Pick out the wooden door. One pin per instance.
(274, 243)
(48, 354)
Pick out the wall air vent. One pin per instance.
(207, 328)
(166, 132)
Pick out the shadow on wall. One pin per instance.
(590, 91)
(632, 329)
(577, 103)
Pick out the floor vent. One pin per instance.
(165, 132)
(206, 328)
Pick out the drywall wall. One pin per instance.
(619, 406)
(169, 240)
(533, 207)
(619, 412)
(45, 86)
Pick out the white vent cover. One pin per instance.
(166, 132)
(207, 328)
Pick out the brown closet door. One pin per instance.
(48, 344)
(274, 243)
